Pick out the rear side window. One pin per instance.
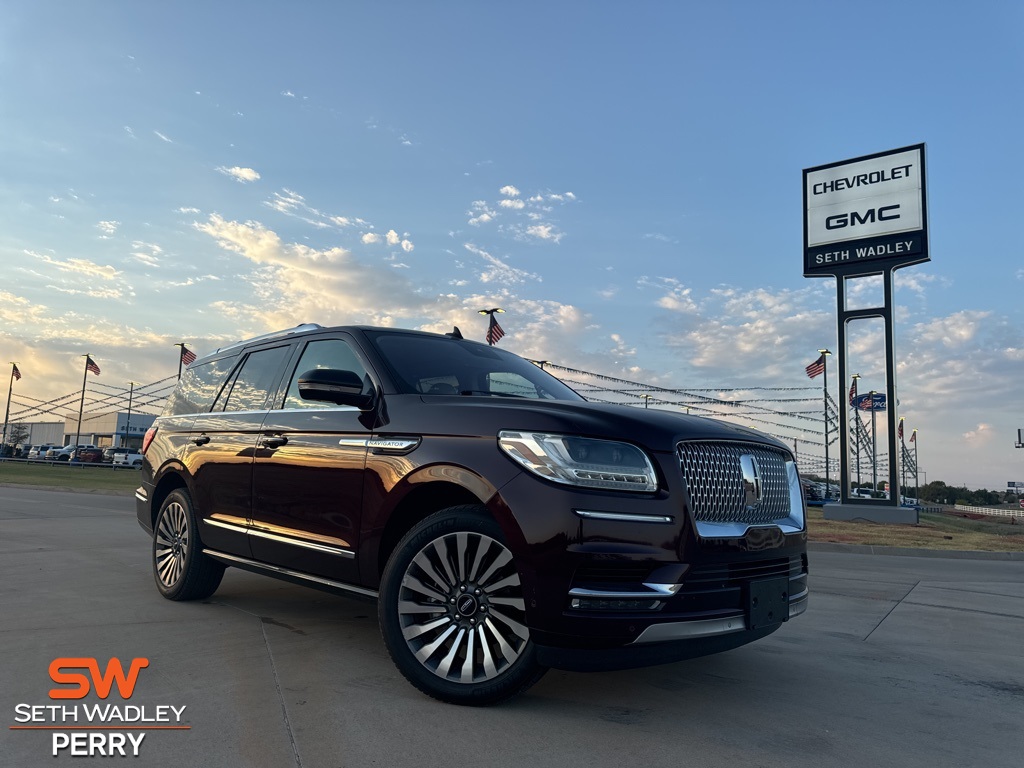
(199, 386)
(256, 381)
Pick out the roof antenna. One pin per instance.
(456, 333)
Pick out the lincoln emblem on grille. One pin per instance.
(751, 481)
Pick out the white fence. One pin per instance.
(1015, 513)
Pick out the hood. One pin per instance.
(654, 429)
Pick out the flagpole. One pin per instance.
(180, 353)
(874, 447)
(128, 421)
(824, 388)
(7, 413)
(81, 406)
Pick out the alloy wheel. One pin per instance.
(461, 608)
(172, 538)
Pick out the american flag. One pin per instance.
(494, 331)
(16, 372)
(187, 356)
(853, 390)
(913, 436)
(816, 368)
(90, 365)
(899, 432)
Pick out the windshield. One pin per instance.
(427, 365)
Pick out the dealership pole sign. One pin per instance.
(867, 214)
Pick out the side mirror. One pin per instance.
(333, 386)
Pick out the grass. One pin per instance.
(936, 530)
(70, 477)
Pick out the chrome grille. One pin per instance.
(713, 477)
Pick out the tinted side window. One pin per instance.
(198, 387)
(326, 353)
(256, 380)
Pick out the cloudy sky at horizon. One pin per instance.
(624, 179)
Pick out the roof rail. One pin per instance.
(274, 335)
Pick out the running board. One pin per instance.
(296, 577)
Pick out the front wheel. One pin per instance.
(181, 569)
(452, 610)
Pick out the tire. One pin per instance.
(181, 570)
(452, 610)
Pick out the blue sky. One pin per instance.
(623, 178)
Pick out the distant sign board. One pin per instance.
(865, 214)
(875, 402)
(1011, 485)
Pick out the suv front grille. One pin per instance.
(713, 477)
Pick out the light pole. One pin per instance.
(128, 420)
(647, 399)
(824, 388)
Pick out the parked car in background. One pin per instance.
(110, 453)
(64, 454)
(89, 455)
(127, 460)
(39, 451)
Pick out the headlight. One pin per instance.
(581, 461)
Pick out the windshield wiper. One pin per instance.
(488, 392)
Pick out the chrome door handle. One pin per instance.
(201, 440)
(274, 442)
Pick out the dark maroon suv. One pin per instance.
(502, 523)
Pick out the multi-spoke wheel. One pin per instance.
(181, 569)
(452, 610)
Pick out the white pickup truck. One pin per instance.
(127, 460)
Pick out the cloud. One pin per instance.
(239, 174)
(514, 204)
(544, 232)
(981, 435)
(79, 266)
(676, 297)
(954, 331)
(499, 271)
(509, 191)
(108, 228)
(188, 210)
(162, 137)
(370, 238)
(392, 237)
(480, 213)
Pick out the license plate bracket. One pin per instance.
(767, 602)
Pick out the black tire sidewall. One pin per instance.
(523, 673)
(200, 576)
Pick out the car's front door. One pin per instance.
(308, 474)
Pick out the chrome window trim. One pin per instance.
(623, 516)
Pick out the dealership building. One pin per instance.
(104, 430)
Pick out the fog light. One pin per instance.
(601, 604)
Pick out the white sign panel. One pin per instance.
(862, 211)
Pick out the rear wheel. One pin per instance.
(181, 570)
(452, 610)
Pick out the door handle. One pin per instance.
(201, 440)
(274, 442)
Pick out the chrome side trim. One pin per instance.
(354, 442)
(622, 516)
(684, 630)
(234, 559)
(348, 554)
(230, 526)
(708, 530)
(327, 549)
(798, 604)
(141, 496)
(657, 591)
(397, 445)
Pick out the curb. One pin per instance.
(65, 489)
(952, 554)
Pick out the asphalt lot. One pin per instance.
(899, 661)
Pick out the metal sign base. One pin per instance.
(872, 513)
